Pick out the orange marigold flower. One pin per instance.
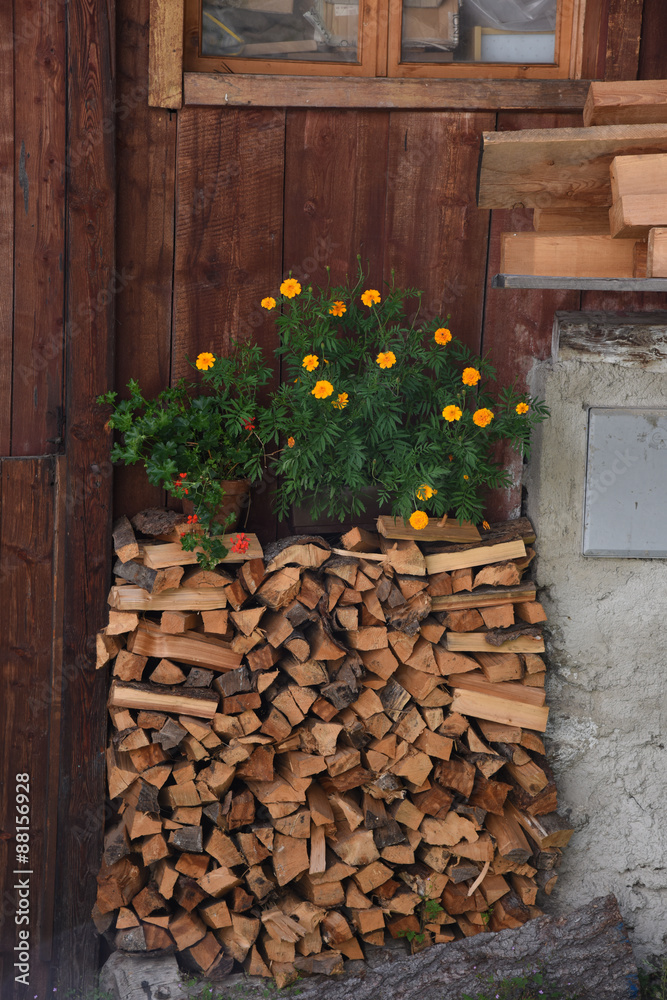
(451, 413)
(310, 362)
(522, 408)
(482, 417)
(204, 361)
(370, 297)
(290, 442)
(470, 376)
(290, 287)
(442, 336)
(418, 520)
(338, 308)
(486, 526)
(466, 477)
(268, 303)
(341, 402)
(322, 389)
(425, 492)
(386, 359)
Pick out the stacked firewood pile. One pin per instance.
(322, 746)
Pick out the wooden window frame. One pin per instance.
(380, 52)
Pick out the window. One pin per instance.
(396, 38)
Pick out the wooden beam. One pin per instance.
(241, 90)
(626, 102)
(165, 54)
(567, 255)
(559, 168)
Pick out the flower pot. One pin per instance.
(236, 502)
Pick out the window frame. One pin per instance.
(380, 51)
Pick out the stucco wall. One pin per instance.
(607, 677)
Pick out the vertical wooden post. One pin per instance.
(91, 286)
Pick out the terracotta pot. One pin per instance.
(236, 501)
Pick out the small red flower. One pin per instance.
(182, 475)
(192, 518)
(240, 543)
(249, 425)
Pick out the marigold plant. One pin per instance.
(403, 414)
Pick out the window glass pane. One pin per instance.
(281, 29)
(512, 31)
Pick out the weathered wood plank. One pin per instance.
(594, 47)
(228, 252)
(328, 221)
(29, 694)
(652, 65)
(6, 221)
(40, 168)
(228, 228)
(624, 29)
(450, 531)
(89, 262)
(344, 92)
(628, 339)
(563, 168)
(146, 157)
(165, 54)
(432, 207)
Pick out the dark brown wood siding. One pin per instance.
(57, 292)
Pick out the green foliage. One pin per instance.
(428, 912)
(526, 986)
(76, 994)
(193, 436)
(388, 430)
(653, 979)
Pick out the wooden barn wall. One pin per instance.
(257, 193)
(57, 293)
